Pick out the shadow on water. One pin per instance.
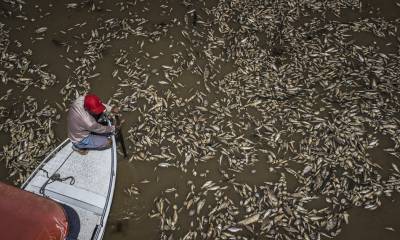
(371, 225)
(129, 214)
(4, 173)
(3, 170)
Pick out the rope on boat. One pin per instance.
(56, 177)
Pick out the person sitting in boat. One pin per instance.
(84, 129)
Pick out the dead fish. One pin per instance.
(41, 30)
(252, 219)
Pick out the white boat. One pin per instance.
(82, 184)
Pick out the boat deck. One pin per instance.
(84, 199)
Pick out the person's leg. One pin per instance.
(96, 142)
(80, 147)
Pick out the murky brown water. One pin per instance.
(129, 217)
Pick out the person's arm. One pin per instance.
(99, 128)
(92, 126)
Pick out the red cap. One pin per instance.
(93, 104)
